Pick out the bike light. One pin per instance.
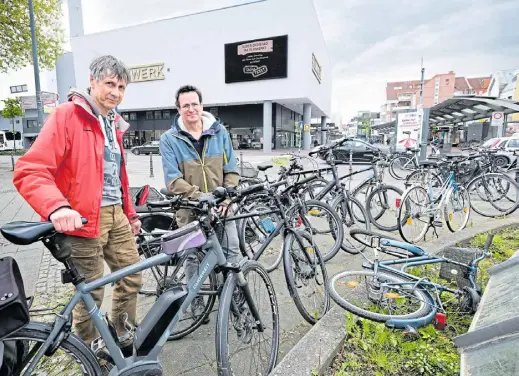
(441, 321)
(299, 221)
(397, 202)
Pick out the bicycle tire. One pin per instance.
(466, 209)
(393, 163)
(348, 222)
(403, 218)
(291, 283)
(337, 234)
(375, 219)
(510, 183)
(421, 295)
(418, 178)
(208, 308)
(222, 325)
(72, 344)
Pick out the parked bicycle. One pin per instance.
(254, 318)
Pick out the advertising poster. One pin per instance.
(408, 122)
(254, 60)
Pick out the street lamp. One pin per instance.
(35, 64)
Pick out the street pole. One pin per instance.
(14, 145)
(39, 105)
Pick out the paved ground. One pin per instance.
(195, 354)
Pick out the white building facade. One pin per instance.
(262, 67)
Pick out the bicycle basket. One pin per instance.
(247, 170)
(458, 273)
(14, 310)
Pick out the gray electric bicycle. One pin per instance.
(51, 349)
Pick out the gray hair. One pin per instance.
(108, 66)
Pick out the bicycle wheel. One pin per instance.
(306, 276)
(361, 194)
(313, 188)
(73, 357)
(413, 214)
(252, 235)
(493, 195)
(421, 177)
(349, 212)
(323, 223)
(401, 166)
(457, 208)
(382, 209)
(160, 278)
(386, 296)
(255, 352)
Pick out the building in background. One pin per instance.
(405, 95)
(360, 126)
(261, 79)
(21, 84)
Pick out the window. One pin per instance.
(149, 115)
(447, 81)
(32, 124)
(126, 117)
(9, 136)
(158, 115)
(397, 88)
(19, 89)
(513, 144)
(166, 115)
(133, 116)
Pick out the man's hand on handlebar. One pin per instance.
(66, 220)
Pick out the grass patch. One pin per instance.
(371, 349)
(10, 152)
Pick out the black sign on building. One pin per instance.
(259, 59)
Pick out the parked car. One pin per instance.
(361, 151)
(146, 148)
(507, 146)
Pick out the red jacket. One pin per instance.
(64, 166)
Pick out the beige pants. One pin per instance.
(116, 245)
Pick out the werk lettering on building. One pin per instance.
(148, 72)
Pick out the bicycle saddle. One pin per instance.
(265, 167)
(24, 233)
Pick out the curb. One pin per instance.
(315, 352)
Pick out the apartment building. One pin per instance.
(403, 96)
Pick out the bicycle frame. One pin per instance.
(214, 257)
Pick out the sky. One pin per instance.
(371, 42)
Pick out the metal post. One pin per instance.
(151, 165)
(14, 145)
(39, 105)
(241, 161)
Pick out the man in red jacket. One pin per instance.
(75, 169)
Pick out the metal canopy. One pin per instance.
(459, 110)
(385, 128)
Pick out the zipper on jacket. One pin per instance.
(198, 155)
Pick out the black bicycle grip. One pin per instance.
(252, 189)
(490, 237)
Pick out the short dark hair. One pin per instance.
(188, 89)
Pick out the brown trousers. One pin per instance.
(116, 245)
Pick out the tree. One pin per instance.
(12, 109)
(15, 33)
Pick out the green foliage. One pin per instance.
(15, 33)
(372, 349)
(12, 108)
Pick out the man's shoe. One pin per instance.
(198, 308)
